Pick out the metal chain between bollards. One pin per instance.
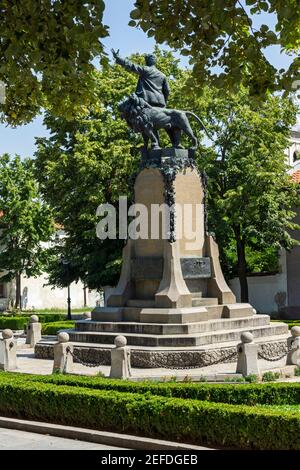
(86, 364)
(274, 359)
(198, 366)
(162, 365)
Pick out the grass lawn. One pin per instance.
(290, 323)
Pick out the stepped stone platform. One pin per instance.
(194, 344)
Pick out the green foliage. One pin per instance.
(53, 327)
(297, 371)
(250, 194)
(290, 323)
(252, 378)
(13, 323)
(234, 379)
(270, 376)
(46, 50)
(175, 419)
(25, 222)
(260, 259)
(248, 394)
(18, 322)
(224, 47)
(87, 162)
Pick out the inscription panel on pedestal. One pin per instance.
(196, 268)
(152, 268)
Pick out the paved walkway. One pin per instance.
(27, 363)
(11, 439)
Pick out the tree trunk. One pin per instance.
(242, 265)
(18, 291)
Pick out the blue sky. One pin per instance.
(128, 40)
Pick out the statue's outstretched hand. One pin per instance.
(115, 53)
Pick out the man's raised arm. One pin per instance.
(127, 64)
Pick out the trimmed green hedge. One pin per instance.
(290, 323)
(14, 323)
(18, 322)
(248, 394)
(53, 327)
(197, 422)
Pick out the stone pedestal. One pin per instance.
(34, 331)
(120, 359)
(293, 343)
(176, 265)
(247, 363)
(63, 359)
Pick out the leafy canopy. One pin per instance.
(224, 46)
(251, 196)
(25, 220)
(46, 50)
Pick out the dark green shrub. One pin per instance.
(14, 323)
(18, 322)
(270, 376)
(249, 394)
(54, 327)
(193, 421)
(252, 378)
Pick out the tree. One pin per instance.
(251, 195)
(25, 222)
(226, 49)
(46, 50)
(89, 161)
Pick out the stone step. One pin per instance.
(170, 315)
(161, 329)
(196, 339)
(51, 340)
(142, 303)
(238, 310)
(204, 301)
(195, 314)
(173, 315)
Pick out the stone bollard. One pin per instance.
(34, 331)
(247, 356)
(120, 359)
(63, 360)
(293, 342)
(8, 351)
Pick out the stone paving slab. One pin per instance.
(11, 439)
(108, 440)
(27, 363)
